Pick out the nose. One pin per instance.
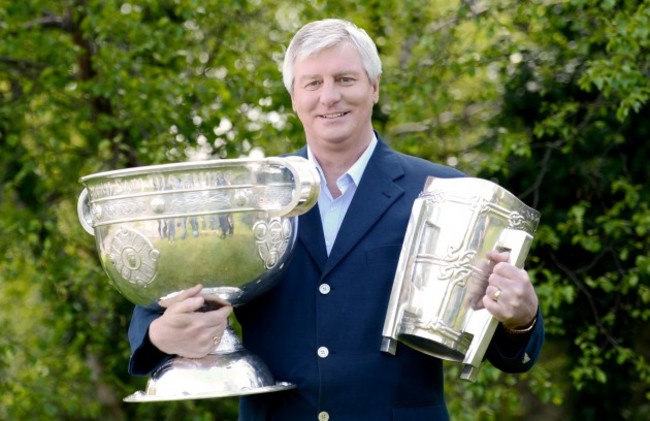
(330, 93)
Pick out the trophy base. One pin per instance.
(143, 397)
(230, 371)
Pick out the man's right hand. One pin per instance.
(184, 330)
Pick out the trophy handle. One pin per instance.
(83, 212)
(481, 324)
(307, 184)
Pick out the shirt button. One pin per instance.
(323, 416)
(323, 352)
(324, 289)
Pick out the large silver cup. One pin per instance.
(442, 271)
(229, 225)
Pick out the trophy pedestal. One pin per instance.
(229, 371)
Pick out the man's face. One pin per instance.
(334, 98)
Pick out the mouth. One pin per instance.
(332, 116)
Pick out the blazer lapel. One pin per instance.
(376, 192)
(310, 234)
(310, 229)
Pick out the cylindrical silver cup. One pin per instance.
(441, 274)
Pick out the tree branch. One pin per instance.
(583, 288)
(546, 159)
(50, 21)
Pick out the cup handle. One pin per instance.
(481, 323)
(518, 243)
(83, 212)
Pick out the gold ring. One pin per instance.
(215, 339)
(497, 295)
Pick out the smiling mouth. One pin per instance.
(333, 115)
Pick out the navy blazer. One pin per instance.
(289, 326)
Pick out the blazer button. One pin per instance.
(323, 352)
(323, 416)
(324, 289)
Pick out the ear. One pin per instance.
(375, 89)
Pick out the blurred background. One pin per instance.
(548, 98)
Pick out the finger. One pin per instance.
(189, 305)
(478, 305)
(511, 274)
(225, 311)
(493, 292)
(498, 256)
(217, 318)
(493, 307)
(180, 296)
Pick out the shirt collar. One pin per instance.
(356, 170)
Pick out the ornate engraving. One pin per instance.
(517, 221)
(157, 196)
(457, 267)
(434, 196)
(134, 257)
(201, 201)
(531, 217)
(272, 239)
(121, 209)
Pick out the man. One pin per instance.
(321, 326)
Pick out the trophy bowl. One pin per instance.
(229, 225)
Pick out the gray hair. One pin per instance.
(317, 36)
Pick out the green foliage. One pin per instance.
(550, 99)
(575, 101)
(491, 397)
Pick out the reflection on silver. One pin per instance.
(229, 371)
(443, 268)
(229, 225)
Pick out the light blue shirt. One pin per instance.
(333, 210)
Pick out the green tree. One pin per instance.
(570, 138)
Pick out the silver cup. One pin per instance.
(442, 271)
(229, 225)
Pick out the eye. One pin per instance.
(313, 85)
(346, 80)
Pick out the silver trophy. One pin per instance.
(443, 268)
(229, 225)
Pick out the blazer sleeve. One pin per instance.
(516, 353)
(145, 357)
